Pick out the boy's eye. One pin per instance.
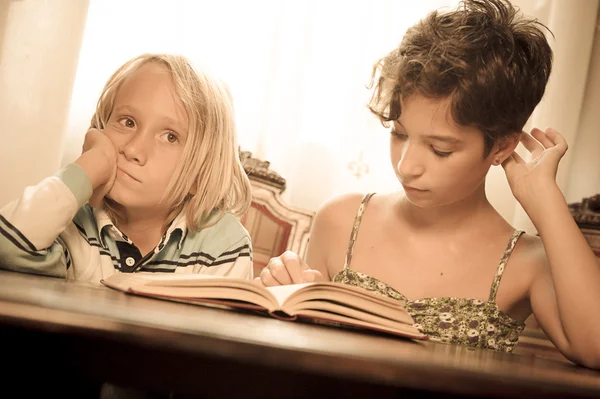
(172, 137)
(127, 122)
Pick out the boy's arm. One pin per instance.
(30, 225)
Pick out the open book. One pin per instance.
(322, 303)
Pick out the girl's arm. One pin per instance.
(329, 234)
(566, 290)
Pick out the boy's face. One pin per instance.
(436, 161)
(149, 127)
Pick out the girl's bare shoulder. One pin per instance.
(330, 232)
(338, 211)
(530, 255)
(341, 210)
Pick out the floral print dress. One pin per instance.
(471, 322)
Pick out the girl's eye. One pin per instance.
(127, 122)
(441, 154)
(398, 135)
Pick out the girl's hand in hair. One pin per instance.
(530, 181)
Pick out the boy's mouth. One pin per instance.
(123, 172)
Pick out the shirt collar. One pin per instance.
(179, 223)
(104, 223)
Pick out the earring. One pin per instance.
(497, 161)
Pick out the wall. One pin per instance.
(564, 100)
(39, 49)
(584, 174)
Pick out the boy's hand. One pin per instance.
(99, 160)
(288, 268)
(529, 180)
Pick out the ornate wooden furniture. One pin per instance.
(587, 216)
(274, 226)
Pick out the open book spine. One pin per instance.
(281, 315)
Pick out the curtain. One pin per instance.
(39, 50)
(570, 102)
(298, 71)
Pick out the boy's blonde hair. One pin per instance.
(210, 176)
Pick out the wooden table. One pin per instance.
(65, 335)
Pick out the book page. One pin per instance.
(192, 287)
(341, 299)
(365, 301)
(334, 320)
(333, 309)
(283, 292)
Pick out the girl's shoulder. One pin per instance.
(530, 254)
(343, 209)
(340, 212)
(531, 246)
(340, 209)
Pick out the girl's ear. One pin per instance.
(504, 147)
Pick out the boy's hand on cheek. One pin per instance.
(99, 160)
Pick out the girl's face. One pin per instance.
(149, 128)
(436, 161)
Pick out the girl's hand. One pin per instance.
(529, 180)
(99, 160)
(288, 268)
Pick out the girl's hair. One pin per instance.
(210, 176)
(492, 63)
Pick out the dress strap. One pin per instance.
(354, 234)
(509, 248)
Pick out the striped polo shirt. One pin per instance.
(51, 230)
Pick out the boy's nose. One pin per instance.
(134, 150)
